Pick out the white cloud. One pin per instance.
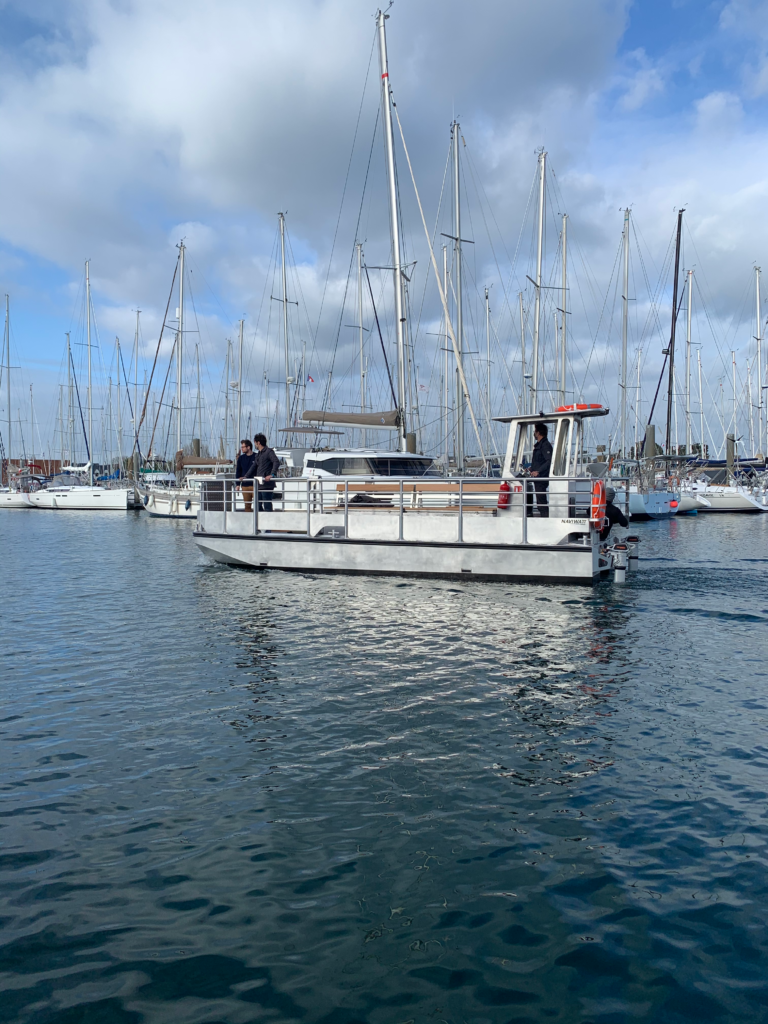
(643, 84)
(719, 113)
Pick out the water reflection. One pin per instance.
(379, 800)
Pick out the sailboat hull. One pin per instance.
(82, 498)
(653, 504)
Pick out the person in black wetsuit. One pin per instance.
(613, 514)
(266, 465)
(541, 460)
(245, 462)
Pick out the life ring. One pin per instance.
(598, 502)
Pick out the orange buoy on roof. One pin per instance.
(578, 407)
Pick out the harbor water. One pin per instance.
(233, 796)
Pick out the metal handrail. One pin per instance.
(227, 496)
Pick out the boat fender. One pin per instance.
(598, 503)
(673, 504)
(633, 561)
(187, 504)
(146, 500)
(504, 495)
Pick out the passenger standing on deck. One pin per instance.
(245, 462)
(266, 466)
(541, 460)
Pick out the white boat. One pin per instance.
(730, 498)
(10, 498)
(692, 503)
(653, 504)
(479, 528)
(69, 492)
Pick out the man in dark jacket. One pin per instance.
(245, 462)
(613, 514)
(265, 466)
(541, 460)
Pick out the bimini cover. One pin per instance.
(389, 420)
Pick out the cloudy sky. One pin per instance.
(130, 124)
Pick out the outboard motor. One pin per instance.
(620, 552)
(634, 553)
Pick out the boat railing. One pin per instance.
(301, 499)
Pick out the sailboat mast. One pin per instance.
(624, 332)
(394, 222)
(563, 311)
(701, 410)
(759, 339)
(457, 277)
(446, 389)
(239, 387)
(488, 366)
(688, 429)
(135, 384)
(226, 397)
(359, 247)
(119, 412)
(180, 349)
(90, 391)
(199, 411)
(671, 384)
(281, 217)
(539, 258)
(523, 385)
(8, 374)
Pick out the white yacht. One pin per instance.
(730, 497)
(65, 490)
(425, 525)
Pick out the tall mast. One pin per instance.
(563, 311)
(701, 409)
(624, 331)
(539, 258)
(239, 388)
(135, 384)
(671, 384)
(31, 427)
(90, 392)
(119, 414)
(523, 386)
(446, 379)
(759, 339)
(70, 416)
(8, 374)
(281, 217)
(226, 398)
(688, 428)
(180, 350)
(359, 247)
(394, 221)
(488, 366)
(460, 403)
(199, 410)
(733, 384)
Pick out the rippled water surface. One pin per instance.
(235, 796)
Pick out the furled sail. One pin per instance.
(389, 420)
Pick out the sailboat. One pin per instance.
(650, 496)
(16, 493)
(182, 501)
(79, 490)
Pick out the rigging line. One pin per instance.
(346, 179)
(434, 235)
(128, 390)
(381, 339)
(440, 289)
(154, 364)
(160, 404)
(352, 256)
(79, 406)
(664, 364)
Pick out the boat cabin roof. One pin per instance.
(563, 412)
